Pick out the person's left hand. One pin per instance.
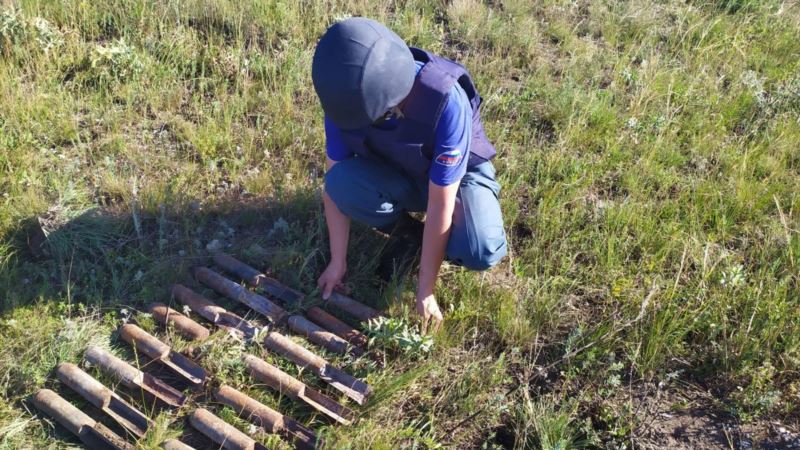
(428, 309)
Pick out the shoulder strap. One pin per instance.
(429, 92)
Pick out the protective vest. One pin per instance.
(410, 144)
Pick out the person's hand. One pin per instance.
(331, 279)
(428, 309)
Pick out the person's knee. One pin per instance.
(480, 261)
(339, 182)
(358, 194)
(486, 251)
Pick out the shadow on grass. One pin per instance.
(103, 257)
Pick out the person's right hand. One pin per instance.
(331, 279)
(429, 311)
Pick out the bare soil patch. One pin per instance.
(688, 420)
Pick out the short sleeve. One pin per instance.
(453, 137)
(334, 145)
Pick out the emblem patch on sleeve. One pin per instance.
(449, 158)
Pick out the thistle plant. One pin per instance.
(396, 334)
(117, 61)
(17, 29)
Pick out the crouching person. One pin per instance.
(403, 134)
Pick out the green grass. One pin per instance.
(646, 150)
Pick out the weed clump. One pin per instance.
(117, 61)
(12, 28)
(395, 334)
(759, 396)
(35, 33)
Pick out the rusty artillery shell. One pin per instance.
(100, 396)
(336, 326)
(157, 350)
(210, 311)
(352, 387)
(296, 389)
(321, 337)
(234, 291)
(188, 327)
(174, 444)
(288, 295)
(267, 418)
(132, 377)
(356, 309)
(93, 434)
(67, 415)
(339, 379)
(222, 433)
(255, 278)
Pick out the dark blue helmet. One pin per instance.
(361, 70)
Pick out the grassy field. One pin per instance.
(649, 153)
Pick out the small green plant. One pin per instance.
(12, 28)
(16, 29)
(397, 334)
(758, 397)
(117, 61)
(733, 277)
(547, 423)
(46, 35)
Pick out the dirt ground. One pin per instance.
(686, 420)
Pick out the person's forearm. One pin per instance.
(338, 231)
(434, 243)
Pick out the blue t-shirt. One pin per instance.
(451, 147)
